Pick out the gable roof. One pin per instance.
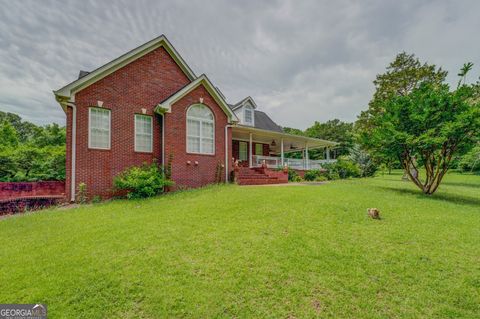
(242, 102)
(112, 66)
(166, 105)
(264, 122)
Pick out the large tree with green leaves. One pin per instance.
(415, 117)
(29, 152)
(333, 130)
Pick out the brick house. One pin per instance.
(148, 105)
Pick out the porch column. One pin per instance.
(303, 159)
(328, 154)
(281, 152)
(307, 164)
(250, 157)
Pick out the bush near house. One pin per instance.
(140, 182)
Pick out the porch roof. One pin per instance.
(291, 142)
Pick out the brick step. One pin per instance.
(258, 181)
(254, 169)
(254, 176)
(250, 173)
(257, 176)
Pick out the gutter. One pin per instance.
(74, 149)
(226, 150)
(282, 134)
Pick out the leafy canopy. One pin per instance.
(29, 152)
(415, 117)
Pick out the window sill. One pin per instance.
(99, 149)
(201, 154)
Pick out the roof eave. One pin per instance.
(306, 138)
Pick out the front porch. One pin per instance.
(295, 163)
(253, 147)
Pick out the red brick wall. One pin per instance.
(141, 84)
(192, 175)
(31, 189)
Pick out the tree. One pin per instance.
(29, 152)
(334, 130)
(8, 135)
(403, 75)
(293, 131)
(50, 135)
(424, 125)
(25, 130)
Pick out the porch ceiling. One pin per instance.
(291, 143)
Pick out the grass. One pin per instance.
(229, 251)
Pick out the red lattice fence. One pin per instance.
(21, 196)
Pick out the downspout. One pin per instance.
(163, 144)
(226, 151)
(74, 149)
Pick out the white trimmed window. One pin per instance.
(248, 115)
(143, 133)
(99, 128)
(200, 130)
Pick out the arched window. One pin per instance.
(200, 130)
(248, 115)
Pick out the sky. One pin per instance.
(301, 61)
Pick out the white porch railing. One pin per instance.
(295, 163)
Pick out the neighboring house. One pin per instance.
(148, 104)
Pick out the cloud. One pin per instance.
(300, 60)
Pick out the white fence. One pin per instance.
(295, 163)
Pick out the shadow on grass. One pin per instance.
(461, 184)
(457, 199)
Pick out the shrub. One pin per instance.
(96, 199)
(297, 179)
(321, 178)
(342, 168)
(292, 175)
(140, 182)
(332, 175)
(311, 175)
(471, 160)
(364, 161)
(82, 193)
(346, 168)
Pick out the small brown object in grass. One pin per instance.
(373, 213)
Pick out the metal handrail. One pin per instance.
(295, 163)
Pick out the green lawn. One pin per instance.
(230, 251)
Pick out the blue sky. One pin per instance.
(300, 60)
